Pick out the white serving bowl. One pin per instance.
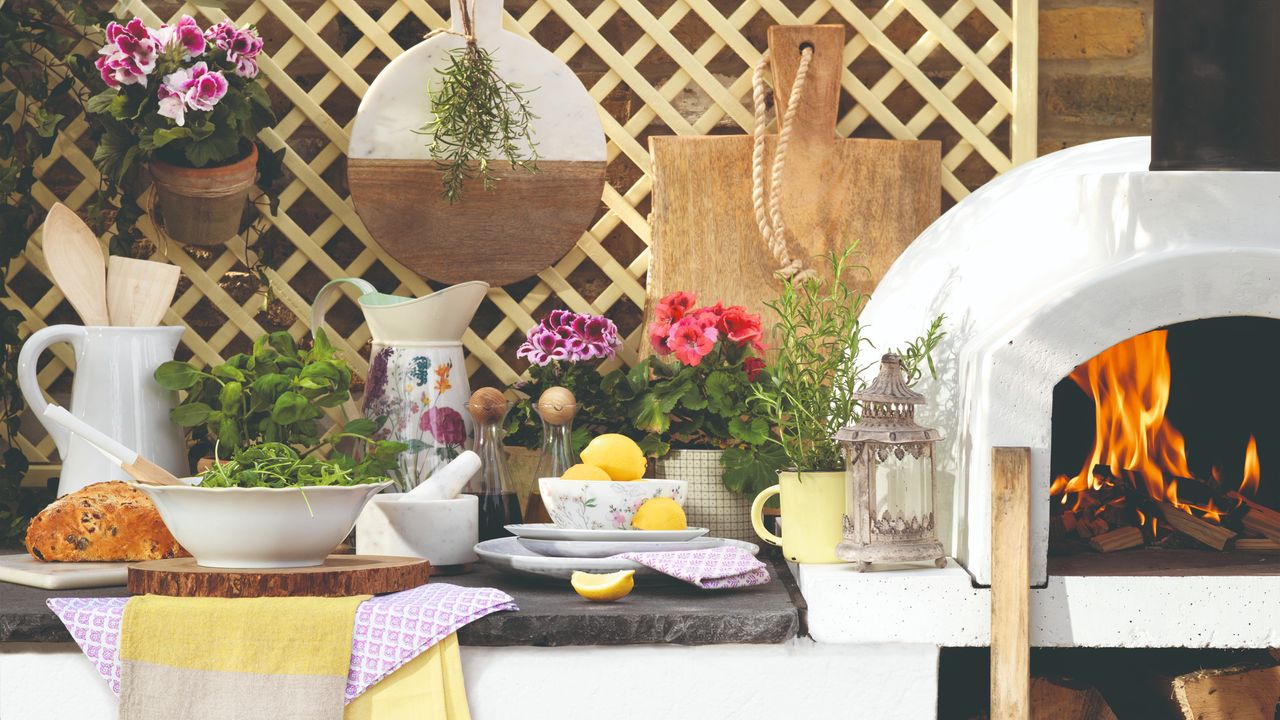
(603, 504)
(444, 532)
(260, 527)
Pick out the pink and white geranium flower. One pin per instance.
(185, 34)
(129, 55)
(194, 88)
(242, 46)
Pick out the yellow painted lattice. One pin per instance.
(962, 71)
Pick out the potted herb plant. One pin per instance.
(693, 405)
(809, 393)
(185, 101)
(273, 394)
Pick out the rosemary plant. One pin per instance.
(815, 371)
(476, 115)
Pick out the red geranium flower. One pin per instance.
(658, 332)
(691, 340)
(741, 326)
(674, 306)
(753, 366)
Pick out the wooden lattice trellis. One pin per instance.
(962, 71)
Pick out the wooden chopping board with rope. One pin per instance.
(705, 234)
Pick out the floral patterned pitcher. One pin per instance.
(417, 377)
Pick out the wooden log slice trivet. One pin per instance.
(339, 576)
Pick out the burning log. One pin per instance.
(1258, 545)
(1119, 539)
(1258, 519)
(1215, 536)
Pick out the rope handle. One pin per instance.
(769, 214)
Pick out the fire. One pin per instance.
(1129, 384)
(1252, 470)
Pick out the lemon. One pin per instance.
(660, 513)
(583, 471)
(617, 455)
(607, 587)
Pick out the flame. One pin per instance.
(1129, 383)
(1252, 470)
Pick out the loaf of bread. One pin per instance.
(104, 522)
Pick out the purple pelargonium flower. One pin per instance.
(129, 55)
(185, 34)
(542, 346)
(569, 336)
(242, 46)
(194, 88)
(596, 330)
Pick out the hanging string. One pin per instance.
(769, 213)
(468, 25)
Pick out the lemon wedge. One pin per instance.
(603, 587)
(617, 455)
(660, 513)
(583, 471)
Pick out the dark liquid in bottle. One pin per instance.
(535, 511)
(496, 510)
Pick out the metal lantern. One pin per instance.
(889, 516)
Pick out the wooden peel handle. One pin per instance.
(815, 119)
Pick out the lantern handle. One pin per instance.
(757, 515)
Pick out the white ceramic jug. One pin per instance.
(114, 391)
(417, 374)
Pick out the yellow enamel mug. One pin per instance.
(813, 515)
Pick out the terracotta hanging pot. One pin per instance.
(203, 206)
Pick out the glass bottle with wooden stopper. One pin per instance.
(556, 407)
(499, 505)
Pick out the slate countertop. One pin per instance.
(550, 614)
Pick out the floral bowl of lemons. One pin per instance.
(608, 491)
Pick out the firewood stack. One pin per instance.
(1120, 515)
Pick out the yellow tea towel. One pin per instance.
(235, 659)
(428, 687)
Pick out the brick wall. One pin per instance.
(1095, 71)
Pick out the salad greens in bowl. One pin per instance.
(271, 505)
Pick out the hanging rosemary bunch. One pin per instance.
(477, 115)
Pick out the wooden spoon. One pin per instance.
(139, 291)
(77, 264)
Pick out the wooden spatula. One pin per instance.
(77, 264)
(139, 291)
(139, 468)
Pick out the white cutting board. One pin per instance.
(26, 570)
(522, 224)
(566, 124)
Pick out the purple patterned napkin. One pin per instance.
(711, 569)
(390, 630)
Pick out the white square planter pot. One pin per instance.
(709, 504)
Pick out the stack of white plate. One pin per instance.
(543, 550)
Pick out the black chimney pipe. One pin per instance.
(1215, 101)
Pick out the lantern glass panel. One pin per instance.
(904, 488)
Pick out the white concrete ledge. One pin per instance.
(800, 679)
(943, 607)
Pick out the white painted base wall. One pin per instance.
(718, 682)
(943, 607)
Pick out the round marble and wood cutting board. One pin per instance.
(339, 576)
(528, 220)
